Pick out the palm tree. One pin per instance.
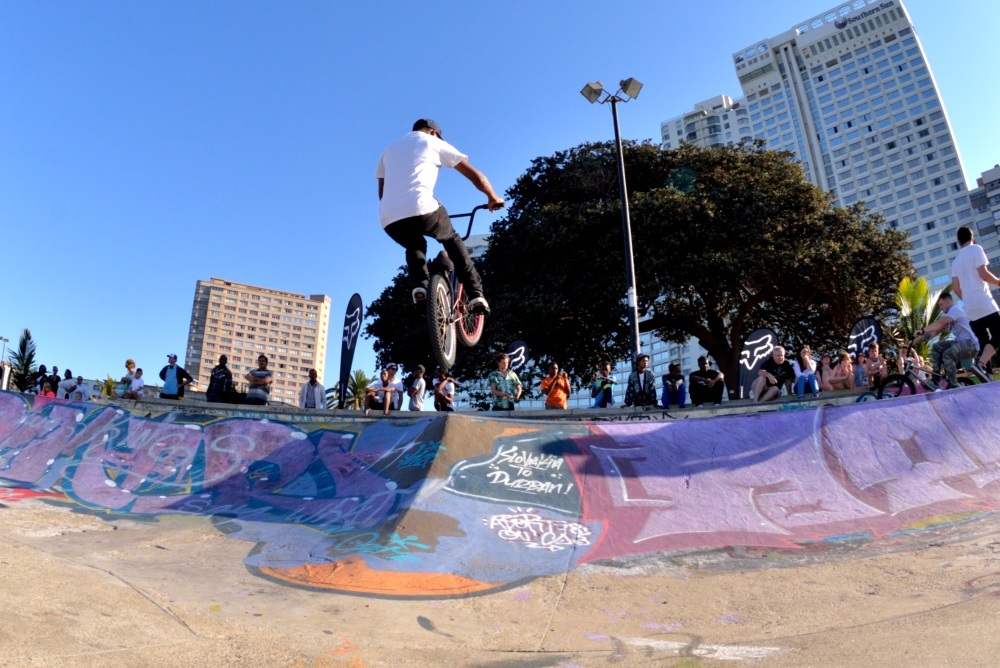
(22, 362)
(357, 388)
(918, 307)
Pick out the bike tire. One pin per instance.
(896, 385)
(469, 327)
(439, 322)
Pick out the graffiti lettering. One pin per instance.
(526, 485)
(532, 530)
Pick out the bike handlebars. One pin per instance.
(471, 216)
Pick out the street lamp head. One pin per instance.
(631, 87)
(593, 91)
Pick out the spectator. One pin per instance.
(805, 373)
(706, 384)
(379, 394)
(418, 388)
(602, 387)
(41, 376)
(174, 379)
(66, 386)
(78, 396)
(876, 368)
(444, 391)
(220, 383)
(136, 390)
(556, 388)
(838, 377)
(82, 390)
(971, 280)
(312, 394)
(952, 352)
(641, 388)
(773, 374)
(124, 385)
(47, 390)
(54, 380)
(860, 379)
(397, 387)
(843, 377)
(504, 384)
(259, 380)
(674, 389)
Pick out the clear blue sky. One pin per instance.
(144, 146)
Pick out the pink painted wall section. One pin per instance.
(778, 479)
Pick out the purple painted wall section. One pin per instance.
(780, 479)
(412, 508)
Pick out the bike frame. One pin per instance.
(456, 287)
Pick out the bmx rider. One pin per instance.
(408, 211)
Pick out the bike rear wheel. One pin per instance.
(439, 322)
(469, 327)
(896, 385)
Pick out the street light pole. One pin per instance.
(628, 90)
(631, 294)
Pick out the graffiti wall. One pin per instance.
(461, 504)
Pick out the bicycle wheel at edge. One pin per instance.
(469, 327)
(896, 385)
(439, 324)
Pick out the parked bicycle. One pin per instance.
(916, 378)
(449, 319)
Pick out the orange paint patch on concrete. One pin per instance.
(353, 575)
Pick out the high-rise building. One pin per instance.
(985, 199)
(242, 321)
(850, 93)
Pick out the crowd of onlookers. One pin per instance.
(53, 385)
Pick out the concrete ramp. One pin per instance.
(458, 504)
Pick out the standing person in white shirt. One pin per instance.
(312, 394)
(418, 388)
(407, 173)
(971, 280)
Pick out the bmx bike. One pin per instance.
(907, 383)
(450, 321)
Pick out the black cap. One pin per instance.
(427, 123)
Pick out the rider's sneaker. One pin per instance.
(419, 295)
(479, 306)
(980, 371)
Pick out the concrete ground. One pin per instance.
(87, 590)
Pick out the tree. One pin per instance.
(22, 361)
(749, 242)
(726, 239)
(357, 387)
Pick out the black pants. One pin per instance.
(702, 394)
(987, 330)
(411, 233)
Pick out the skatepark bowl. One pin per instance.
(137, 534)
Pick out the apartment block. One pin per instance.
(242, 321)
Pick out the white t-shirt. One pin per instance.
(410, 167)
(417, 398)
(976, 295)
(961, 327)
(66, 387)
(137, 386)
(397, 396)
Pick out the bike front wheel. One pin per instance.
(896, 385)
(439, 322)
(470, 325)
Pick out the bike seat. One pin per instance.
(442, 261)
